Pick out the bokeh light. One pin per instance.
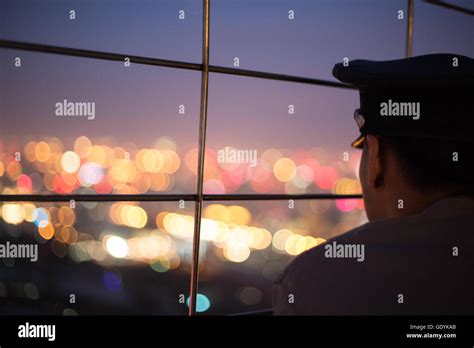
(202, 303)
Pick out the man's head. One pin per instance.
(401, 175)
(416, 121)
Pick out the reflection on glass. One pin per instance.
(246, 245)
(75, 125)
(274, 137)
(167, 29)
(305, 38)
(114, 258)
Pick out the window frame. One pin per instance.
(199, 197)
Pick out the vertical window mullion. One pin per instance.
(202, 148)
(409, 43)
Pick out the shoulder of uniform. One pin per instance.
(315, 256)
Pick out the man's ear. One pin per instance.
(374, 161)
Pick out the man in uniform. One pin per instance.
(416, 253)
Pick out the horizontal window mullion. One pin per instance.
(276, 196)
(165, 63)
(449, 6)
(277, 77)
(98, 198)
(77, 52)
(171, 197)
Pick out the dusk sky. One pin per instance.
(140, 103)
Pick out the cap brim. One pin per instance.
(359, 142)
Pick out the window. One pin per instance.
(111, 195)
(247, 245)
(167, 29)
(305, 148)
(288, 36)
(99, 252)
(93, 126)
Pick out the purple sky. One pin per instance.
(140, 103)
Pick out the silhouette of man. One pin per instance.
(416, 253)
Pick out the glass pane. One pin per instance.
(94, 258)
(440, 30)
(278, 137)
(140, 27)
(246, 245)
(263, 35)
(78, 125)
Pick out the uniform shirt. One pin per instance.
(421, 264)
